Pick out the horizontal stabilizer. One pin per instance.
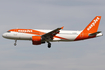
(93, 34)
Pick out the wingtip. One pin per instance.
(62, 27)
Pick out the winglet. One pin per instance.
(62, 27)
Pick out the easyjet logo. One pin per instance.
(24, 30)
(93, 24)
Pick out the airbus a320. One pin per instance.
(40, 36)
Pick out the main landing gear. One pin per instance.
(49, 44)
(15, 43)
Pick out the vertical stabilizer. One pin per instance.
(91, 28)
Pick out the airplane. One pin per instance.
(40, 36)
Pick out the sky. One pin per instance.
(51, 14)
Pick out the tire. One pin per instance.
(49, 45)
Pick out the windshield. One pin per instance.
(8, 31)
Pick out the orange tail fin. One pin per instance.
(91, 28)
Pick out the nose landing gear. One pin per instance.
(15, 43)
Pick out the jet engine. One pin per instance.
(37, 40)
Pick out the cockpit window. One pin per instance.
(8, 31)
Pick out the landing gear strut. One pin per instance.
(49, 44)
(15, 43)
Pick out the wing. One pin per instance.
(49, 36)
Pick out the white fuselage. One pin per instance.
(68, 35)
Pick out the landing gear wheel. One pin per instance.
(15, 43)
(49, 45)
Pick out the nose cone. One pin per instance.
(4, 35)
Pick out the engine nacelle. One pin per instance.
(37, 40)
